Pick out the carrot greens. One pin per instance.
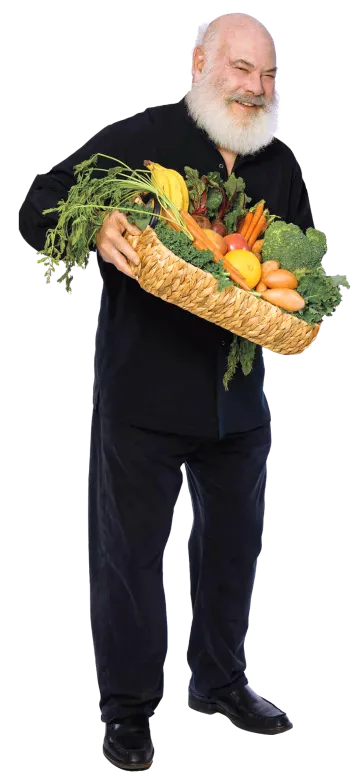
(80, 216)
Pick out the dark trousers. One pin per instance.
(134, 481)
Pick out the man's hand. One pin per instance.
(111, 244)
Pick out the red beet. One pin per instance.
(219, 227)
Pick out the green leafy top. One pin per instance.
(88, 202)
(213, 203)
(196, 186)
(215, 198)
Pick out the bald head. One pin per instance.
(225, 27)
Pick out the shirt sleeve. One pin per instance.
(118, 140)
(299, 210)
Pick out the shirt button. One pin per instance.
(221, 165)
(223, 342)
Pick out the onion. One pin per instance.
(218, 226)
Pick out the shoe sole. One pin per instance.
(211, 707)
(131, 766)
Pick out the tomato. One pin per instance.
(236, 242)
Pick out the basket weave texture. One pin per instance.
(165, 275)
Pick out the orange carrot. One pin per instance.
(236, 276)
(247, 220)
(255, 218)
(199, 235)
(256, 231)
(241, 225)
(199, 245)
(192, 224)
(169, 219)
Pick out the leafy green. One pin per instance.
(213, 203)
(233, 184)
(242, 351)
(141, 218)
(196, 187)
(215, 198)
(247, 355)
(214, 179)
(232, 362)
(236, 210)
(237, 201)
(321, 294)
(88, 202)
(297, 252)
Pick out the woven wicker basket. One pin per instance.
(177, 281)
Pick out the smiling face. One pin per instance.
(233, 92)
(244, 68)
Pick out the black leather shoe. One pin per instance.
(127, 743)
(245, 709)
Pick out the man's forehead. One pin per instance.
(251, 52)
(239, 41)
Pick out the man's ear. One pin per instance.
(198, 61)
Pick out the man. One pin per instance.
(159, 403)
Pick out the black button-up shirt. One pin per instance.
(156, 365)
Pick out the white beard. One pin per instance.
(211, 113)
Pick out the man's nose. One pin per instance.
(253, 83)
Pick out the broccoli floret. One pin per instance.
(318, 242)
(296, 252)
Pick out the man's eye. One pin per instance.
(239, 68)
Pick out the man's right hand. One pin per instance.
(112, 246)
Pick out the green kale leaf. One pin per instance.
(321, 294)
(141, 217)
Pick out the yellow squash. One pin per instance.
(171, 183)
